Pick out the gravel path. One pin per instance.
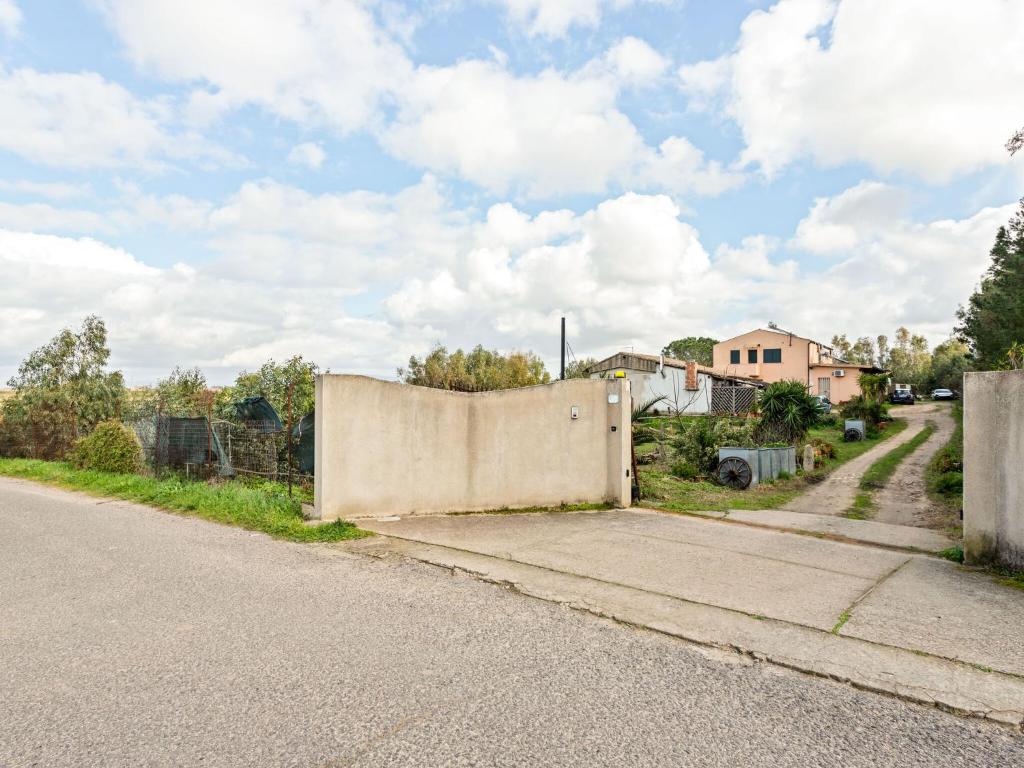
(836, 493)
(904, 499)
(133, 637)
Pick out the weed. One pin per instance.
(862, 509)
(955, 553)
(843, 618)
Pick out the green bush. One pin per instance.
(787, 412)
(696, 445)
(871, 411)
(737, 432)
(950, 482)
(112, 447)
(683, 470)
(948, 460)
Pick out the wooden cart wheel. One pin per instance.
(734, 472)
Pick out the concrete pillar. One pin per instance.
(808, 458)
(993, 457)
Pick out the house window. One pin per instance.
(773, 356)
(734, 357)
(752, 356)
(825, 386)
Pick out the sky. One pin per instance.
(355, 181)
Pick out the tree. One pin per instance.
(272, 381)
(183, 392)
(63, 390)
(697, 348)
(909, 358)
(861, 351)
(883, 351)
(873, 386)
(993, 319)
(480, 370)
(1016, 142)
(950, 360)
(579, 369)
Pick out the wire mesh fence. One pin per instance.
(186, 436)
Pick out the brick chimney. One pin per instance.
(691, 376)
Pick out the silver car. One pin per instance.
(824, 404)
(943, 394)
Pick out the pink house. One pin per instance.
(771, 354)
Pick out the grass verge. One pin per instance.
(944, 475)
(231, 503)
(664, 491)
(876, 476)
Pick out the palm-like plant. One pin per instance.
(787, 412)
(644, 408)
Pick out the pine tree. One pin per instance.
(993, 319)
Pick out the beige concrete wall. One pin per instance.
(384, 448)
(994, 468)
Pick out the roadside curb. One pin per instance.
(903, 673)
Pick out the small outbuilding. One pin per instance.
(687, 387)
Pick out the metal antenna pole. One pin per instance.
(562, 377)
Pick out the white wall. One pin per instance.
(646, 385)
(384, 448)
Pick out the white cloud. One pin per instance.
(544, 135)
(919, 86)
(316, 61)
(553, 18)
(81, 120)
(635, 61)
(54, 190)
(840, 223)
(309, 154)
(622, 272)
(10, 18)
(329, 63)
(41, 217)
(548, 133)
(885, 269)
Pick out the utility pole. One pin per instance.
(562, 377)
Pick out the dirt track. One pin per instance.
(904, 499)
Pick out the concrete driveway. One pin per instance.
(888, 619)
(133, 637)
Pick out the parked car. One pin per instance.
(902, 397)
(943, 394)
(824, 404)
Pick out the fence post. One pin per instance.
(288, 436)
(209, 428)
(156, 444)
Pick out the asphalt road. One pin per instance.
(130, 637)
